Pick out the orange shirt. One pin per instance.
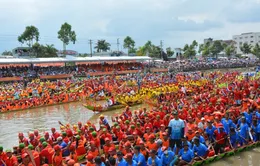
(57, 160)
(106, 148)
(152, 146)
(165, 143)
(190, 136)
(11, 161)
(90, 164)
(95, 153)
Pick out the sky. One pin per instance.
(175, 22)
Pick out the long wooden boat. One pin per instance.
(226, 154)
(111, 108)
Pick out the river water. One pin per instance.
(45, 118)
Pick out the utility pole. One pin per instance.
(161, 45)
(90, 44)
(117, 44)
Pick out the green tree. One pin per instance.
(8, 53)
(66, 35)
(246, 48)
(37, 49)
(169, 52)
(229, 50)
(256, 50)
(189, 51)
(155, 51)
(30, 34)
(102, 45)
(42, 51)
(141, 51)
(216, 48)
(129, 43)
(204, 49)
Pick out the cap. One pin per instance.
(8, 151)
(59, 139)
(46, 134)
(21, 145)
(107, 139)
(31, 135)
(94, 133)
(42, 139)
(24, 155)
(57, 147)
(128, 156)
(1, 148)
(202, 119)
(101, 116)
(90, 157)
(44, 144)
(197, 132)
(30, 147)
(127, 143)
(20, 134)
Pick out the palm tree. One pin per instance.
(50, 50)
(102, 45)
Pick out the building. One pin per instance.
(250, 38)
(210, 40)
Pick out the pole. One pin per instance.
(90, 45)
(161, 45)
(117, 44)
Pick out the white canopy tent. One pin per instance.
(70, 59)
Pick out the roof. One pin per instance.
(71, 59)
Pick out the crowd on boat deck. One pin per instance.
(201, 119)
(81, 69)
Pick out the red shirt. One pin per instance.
(34, 142)
(47, 152)
(220, 136)
(55, 136)
(11, 161)
(2, 157)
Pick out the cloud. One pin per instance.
(177, 22)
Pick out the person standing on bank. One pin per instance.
(176, 132)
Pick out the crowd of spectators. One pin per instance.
(76, 70)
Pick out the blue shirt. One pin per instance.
(201, 149)
(257, 114)
(134, 163)
(139, 159)
(244, 130)
(122, 162)
(176, 127)
(167, 158)
(66, 152)
(210, 132)
(227, 124)
(186, 155)
(258, 128)
(157, 161)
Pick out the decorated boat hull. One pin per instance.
(111, 108)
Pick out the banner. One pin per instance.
(159, 70)
(60, 76)
(6, 79)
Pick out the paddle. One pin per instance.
(3, 162)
